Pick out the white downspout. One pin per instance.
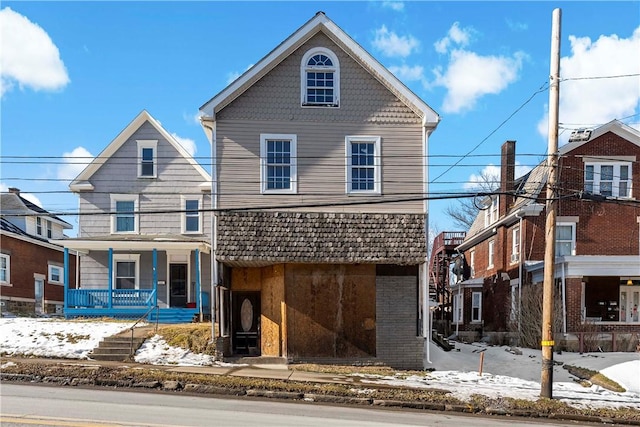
(564, 302)
(426, 310)
(520, 275)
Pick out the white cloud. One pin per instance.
(192, 118)
(234, 75)
(28, 56)
(398, 6)
(392, 45)
(187, 143)
(489, 177)
(492, 74)
(74, 162)
(456, 35)
(408, 73)
(4, 188)
(591, 102)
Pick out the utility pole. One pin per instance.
(551, 207)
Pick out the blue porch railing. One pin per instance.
(116, 298)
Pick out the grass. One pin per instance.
(594, 377)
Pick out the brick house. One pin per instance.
(597, 265)
(312, 259)
(31, 267)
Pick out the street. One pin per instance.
(37, 405)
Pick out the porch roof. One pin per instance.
(135, 242)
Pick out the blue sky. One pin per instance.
(74, 74)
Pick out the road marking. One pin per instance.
(67, 422)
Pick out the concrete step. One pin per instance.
(110, 357)
(111, 342)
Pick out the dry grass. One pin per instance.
(595, 377)
(190, 336)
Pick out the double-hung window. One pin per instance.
(491, 212)
(565, 239)
(124, 218)
(476, 306)
(49, 229)
(491, 253)
(458, 306)
(515, 244)
(320, 78)
(5, 269)
(55, 274)
(363, 165)
(147, 158)
(608, 179)
(278, 163)
(472, 263)
(39, 226)
(126, 271)
(191, 217)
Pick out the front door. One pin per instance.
(246, 323)
(178, 285)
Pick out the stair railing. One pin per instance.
(144, 316)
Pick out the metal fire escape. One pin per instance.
(442, 255)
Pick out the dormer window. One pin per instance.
(320, 78)
(147, 158)
(491, 211)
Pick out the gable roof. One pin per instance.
(534, 182)
(320, 23)
(624, 131)
(14, 204)
(81, 182)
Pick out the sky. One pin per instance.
(505, 373)
(74, 74)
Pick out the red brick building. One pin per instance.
(31, 268)
(597, 266)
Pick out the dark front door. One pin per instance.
(178, 285)
(246, 323)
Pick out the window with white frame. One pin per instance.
(457, 307)
(320, 78)
(191, 216)
(278, 161)
(472, 263)
(147, 158)
(49, 229)
(565, 239)
(124, 218)
(5, 269)
(126, 271)
(491, 212)
(515, 244)
(363, 164)
(476, 306)
(55, 274)
(608, 179)
(491, 253)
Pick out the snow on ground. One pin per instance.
(506, 372)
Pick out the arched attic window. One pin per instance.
(320, 79)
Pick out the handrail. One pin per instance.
(138, 321)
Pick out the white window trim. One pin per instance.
(472, 263)
(615, 184)
(49, 228)
(515, 248)
(491, 253)
(491, 213)
(336, 78)
(479, 319)
(39, 226)
(183, 222)
(6, 282)
(136, 216)
(377, 163)
(573, 236)
(148, 143)
(50, 267)
(126, 257)
(264, 137)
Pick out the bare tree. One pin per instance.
(465, 210)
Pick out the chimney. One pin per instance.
(507, 175)
(14, 190)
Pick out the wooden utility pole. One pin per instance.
(551, 205)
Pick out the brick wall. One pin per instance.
(397, 343)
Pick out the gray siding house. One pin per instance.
(319, 188)
(144, 231)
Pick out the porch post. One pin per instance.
(155, 275)
(66, 280)
(110, 278)
(198, 294)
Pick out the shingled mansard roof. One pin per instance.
(13, 204)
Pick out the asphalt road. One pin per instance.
(37, 405)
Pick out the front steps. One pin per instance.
(121, 347)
